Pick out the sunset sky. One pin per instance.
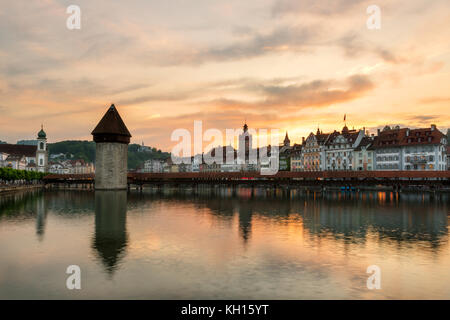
(285, 64)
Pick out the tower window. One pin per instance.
(41, 146)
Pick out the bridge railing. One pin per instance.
(282, 175)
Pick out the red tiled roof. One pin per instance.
(389, 138)
(422, 136)
(18, 150)
(407, 137)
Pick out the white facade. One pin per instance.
(230, 166)
(71, 167)
(389, 158)
(16, 162)
(411, 149)
(426, 157)
(339, 149)
(153, 165)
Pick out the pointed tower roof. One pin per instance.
(286, 139)
(111, 128)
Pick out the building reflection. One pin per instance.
(245, 221)
(344, 216)
(110, 238)
(27, 205)
(351, 217)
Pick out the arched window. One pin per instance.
(41, 146)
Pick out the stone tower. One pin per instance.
(111, 151)
(41, 152)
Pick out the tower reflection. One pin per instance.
(41, 217)
(110, 238)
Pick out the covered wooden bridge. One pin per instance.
(433, 180)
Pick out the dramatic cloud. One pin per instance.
(316, 93)
(325, 7)
(281, 39)
(277, 63)
(353, 46)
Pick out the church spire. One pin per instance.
(287, 142)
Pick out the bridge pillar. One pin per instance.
(112, 138)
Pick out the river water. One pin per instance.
(216, 244)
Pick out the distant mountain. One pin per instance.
(86, 150)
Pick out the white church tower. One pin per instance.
(41, 152)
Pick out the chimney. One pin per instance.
(433, 127)
(303, 140)
(378, 131)
(407, 132)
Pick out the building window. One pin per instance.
(41, 146)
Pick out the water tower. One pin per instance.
(111, 137)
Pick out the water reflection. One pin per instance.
(345, 216)
(110, 238)
(41, 216)
(224, 243)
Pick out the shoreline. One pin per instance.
(12, 189)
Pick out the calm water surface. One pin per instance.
(216, 245)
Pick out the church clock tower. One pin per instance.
(41, 152)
